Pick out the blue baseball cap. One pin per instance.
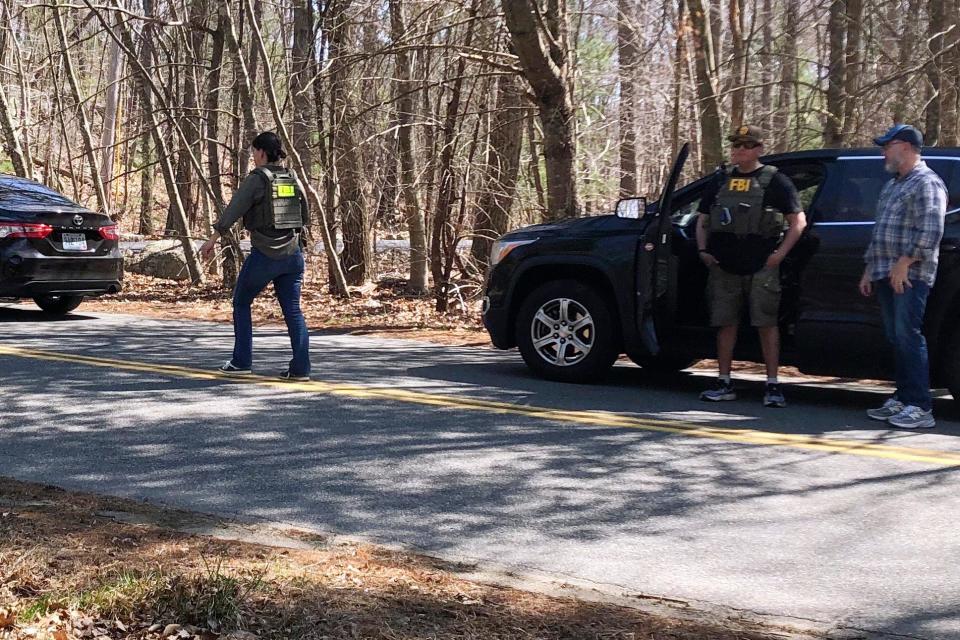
(900, 132)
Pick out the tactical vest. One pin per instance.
(739, 209)
(280, 209)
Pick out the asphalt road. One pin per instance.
(812, 512)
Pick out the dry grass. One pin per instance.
(381, 308)
(67, 571)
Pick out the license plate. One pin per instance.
(74, 242)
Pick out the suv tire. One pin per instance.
(58, 305)
(565, 332)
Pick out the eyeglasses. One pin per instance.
(744, 145)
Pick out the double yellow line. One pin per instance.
(589, 418)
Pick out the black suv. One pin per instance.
(574, 294)
(52, 249)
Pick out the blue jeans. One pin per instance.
(903, 324)
(287, 277)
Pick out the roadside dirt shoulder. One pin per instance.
(75, 565)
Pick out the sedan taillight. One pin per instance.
(109, 232)
(24, 230)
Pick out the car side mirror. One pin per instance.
(633, 208)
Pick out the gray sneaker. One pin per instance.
(889, 409)
(773, 397)
(913, 418)
(722, 392)
(228, 368)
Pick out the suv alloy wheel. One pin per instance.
(565, 332)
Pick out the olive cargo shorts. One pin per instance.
(728, 291)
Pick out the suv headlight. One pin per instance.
(501, 248)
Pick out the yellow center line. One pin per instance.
(591, 418)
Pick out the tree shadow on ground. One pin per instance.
(609, 504)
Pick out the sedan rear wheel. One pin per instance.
(565, 332)
(58, 305)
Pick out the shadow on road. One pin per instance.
(444, 479)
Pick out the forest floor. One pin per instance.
(382, 307)
(75, 565)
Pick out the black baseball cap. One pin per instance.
(900, 132)
(747, 133)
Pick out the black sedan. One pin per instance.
(52, 249)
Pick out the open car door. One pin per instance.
(656, 266)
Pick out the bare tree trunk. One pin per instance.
(108, 135)
(908, 45)
(10, 138)
(679, 62)
(836, 75)
(412, 215)
(738, 67)
(534, 167)
(545, 57)
(25, 103)
(325, 157)
(766, 66)
(81, 112)
(788, 78)
(950, 76)
(147, 176)
(231, 254)
(852, 68)
(301, 67)
(492, 214)
(193, 39)
(147, 179)
(245, 83)
(936, 11)
(711, 150)
(627, 61)
(357, 256)
(445, 197)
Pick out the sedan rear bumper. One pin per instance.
(32, 288)
(26, 274)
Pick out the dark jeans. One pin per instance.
(903, 324)
(287, 277)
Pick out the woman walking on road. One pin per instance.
(273, 209)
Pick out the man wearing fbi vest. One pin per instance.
(740, 235)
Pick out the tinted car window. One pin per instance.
(949, 170)
(806, 178)
(851, 191)
(18, 193)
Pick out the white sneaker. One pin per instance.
(913, 418)
(889, 409)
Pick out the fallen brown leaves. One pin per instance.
(87, 575)
(382, 308)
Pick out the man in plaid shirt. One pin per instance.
(901, 266)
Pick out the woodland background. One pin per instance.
(444, 120)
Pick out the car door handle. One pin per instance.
(949, 245)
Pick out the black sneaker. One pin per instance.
(773, 397)
(721, 393)
(228, 368)
(292, 377)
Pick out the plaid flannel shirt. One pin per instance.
(910, 212)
